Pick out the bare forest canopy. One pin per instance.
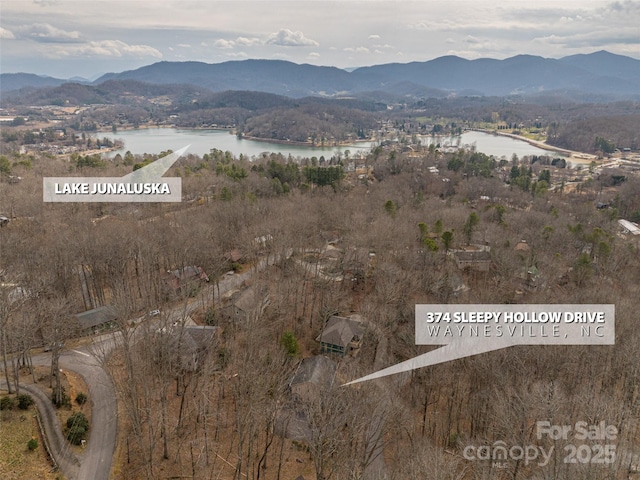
(394, 224)
(275, 247)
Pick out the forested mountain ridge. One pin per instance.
(597, 73)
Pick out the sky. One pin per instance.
(69, 38)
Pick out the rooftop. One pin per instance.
(340, 331)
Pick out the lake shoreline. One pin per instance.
(152, 139)
(241, 137)
(305, 144)
(544, 146)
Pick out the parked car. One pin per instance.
(49, 347)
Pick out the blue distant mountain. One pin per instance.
(16, 81)
(600, 73)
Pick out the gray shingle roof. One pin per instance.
(97, 316)
(318, 370)
(340, 331)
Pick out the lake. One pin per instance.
(156, 140)
(496, 145)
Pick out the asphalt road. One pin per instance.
(95, 461)
(67, 462)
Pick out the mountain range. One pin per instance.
(599, 74)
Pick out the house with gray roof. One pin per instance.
(97, 319)
(340, 335)
(312, 376)
(194, 342)
(246, 304)
(473, 260)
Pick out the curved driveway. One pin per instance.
(95, 461)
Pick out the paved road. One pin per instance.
(67, 461)
(95, 461)
(96, 458)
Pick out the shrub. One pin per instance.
(76, 434)
(24, 401)
(81, 398)
(77, 427)
(32, 444)
(290, 343)
(78, 419)
(6, 403)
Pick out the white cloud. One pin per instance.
(247, 42)
(422, 26)
(374, 37)
(108, 48)
(286, 38)
(6, 34)
(184, 45)
(237, 55)
(594, 39)
(357, 49)
(314, 55)
(45, 33)
(386, 46)
(224, 44)
(240, 41)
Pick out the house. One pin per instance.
(184, 279)
(192, 343)
(629, 227)
(473, 260)
(312, 376)
(340, 335)
(97, 319)
(246, 304)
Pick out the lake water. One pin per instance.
(156, 140)
(496, 145)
